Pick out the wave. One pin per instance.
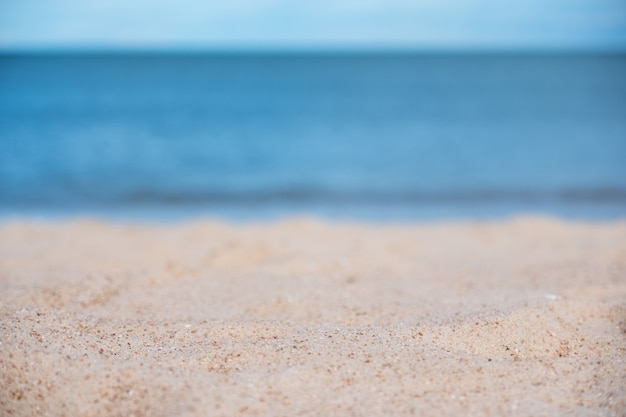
(313, 196)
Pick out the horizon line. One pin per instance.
(309, 50)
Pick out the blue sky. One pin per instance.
(251, 24)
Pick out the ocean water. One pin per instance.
(357, 136)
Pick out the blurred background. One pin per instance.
(371, 110)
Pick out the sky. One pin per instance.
(313, 24)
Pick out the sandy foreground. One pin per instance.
(524, 317)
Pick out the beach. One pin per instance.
(524, 317)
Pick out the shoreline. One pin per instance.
(374, 214)
(523, 316)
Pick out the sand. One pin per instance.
(523, 317)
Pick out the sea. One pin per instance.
(345, 136)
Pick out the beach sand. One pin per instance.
(523, 317)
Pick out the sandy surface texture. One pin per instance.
(524, 317)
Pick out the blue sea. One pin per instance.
(383, 137)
